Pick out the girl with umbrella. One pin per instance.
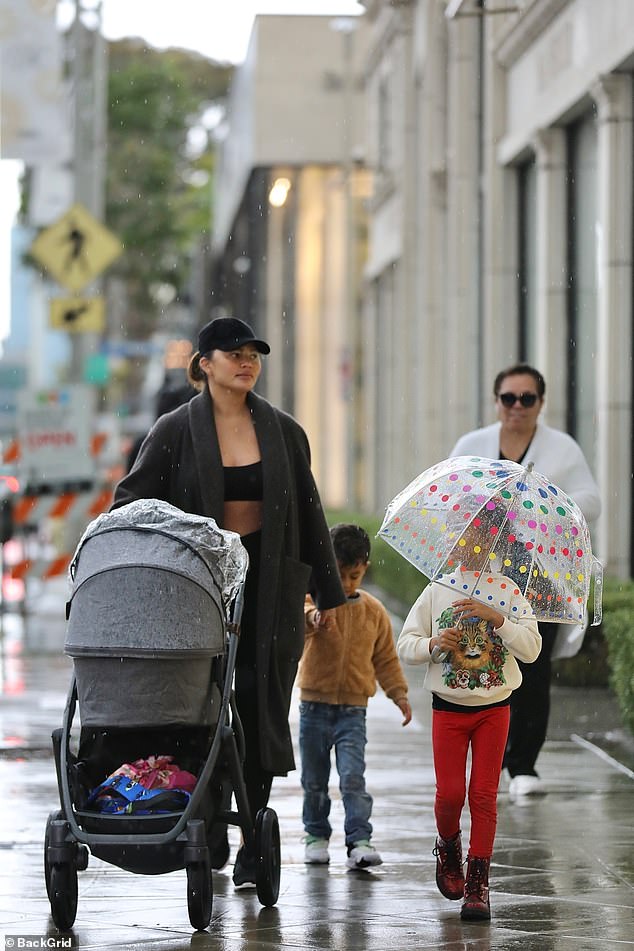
(520, 435)
(461, 627)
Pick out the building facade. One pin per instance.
(501, 230)
(497, 143)
(289, 226)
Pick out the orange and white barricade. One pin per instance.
(45, 507)
(34, 511)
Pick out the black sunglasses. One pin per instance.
(510, 399)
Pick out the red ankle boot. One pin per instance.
(476, 891)
(449, 874)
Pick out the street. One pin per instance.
(562, 872)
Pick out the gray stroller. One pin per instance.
(153, 628)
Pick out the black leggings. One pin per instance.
(530, 709)
(257, 779)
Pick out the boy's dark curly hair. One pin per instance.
(351, 544)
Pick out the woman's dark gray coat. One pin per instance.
(180, 463)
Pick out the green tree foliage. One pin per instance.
(160, 168)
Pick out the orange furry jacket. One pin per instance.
(343, 665)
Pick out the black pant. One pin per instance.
(257, 780)
(530, 708)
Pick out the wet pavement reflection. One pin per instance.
(562, 873)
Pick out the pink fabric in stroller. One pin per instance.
(157, 772)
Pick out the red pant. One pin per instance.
(452, 734)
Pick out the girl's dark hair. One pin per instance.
(351, 544)
(515, 371)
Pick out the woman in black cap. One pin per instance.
(231, 455)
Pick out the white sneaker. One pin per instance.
(520, 786)
(363, 855)
(316, 851)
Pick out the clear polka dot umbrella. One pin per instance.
(468, 520)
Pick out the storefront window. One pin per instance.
(385, 405)
(527, 271)
(583, 248)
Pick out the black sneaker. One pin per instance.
(244, 870)
(219, 851)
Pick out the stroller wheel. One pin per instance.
(63, 894)
(199, 894)
(267, 848)
(47, 841)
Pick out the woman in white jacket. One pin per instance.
(521, 437)
(470, 649)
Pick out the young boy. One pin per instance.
(340, 666)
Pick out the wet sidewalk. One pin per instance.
(562, 873)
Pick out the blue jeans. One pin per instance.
(322, 726)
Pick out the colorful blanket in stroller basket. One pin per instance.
(146, 786)
(121, 795)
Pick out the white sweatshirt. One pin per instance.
(483, 670)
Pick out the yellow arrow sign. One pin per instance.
(76, 249)
(78, 314)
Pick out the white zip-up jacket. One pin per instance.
(483, 670)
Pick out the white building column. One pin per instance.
(551, 265)
(433, 441)
(499, 321)
(613, 95)
(461, 331)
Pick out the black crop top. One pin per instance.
(243, 483)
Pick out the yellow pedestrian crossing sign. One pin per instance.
(78, 314)
(76, 248)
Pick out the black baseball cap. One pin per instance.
(228, 333)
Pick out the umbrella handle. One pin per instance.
(597, 571)
(438, 655)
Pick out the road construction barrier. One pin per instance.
(41, 568)
(12, 453)
(70, 507)
(31, 511)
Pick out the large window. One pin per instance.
(527, 271)
(583, 246)
(385, 120)
(386, 403)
